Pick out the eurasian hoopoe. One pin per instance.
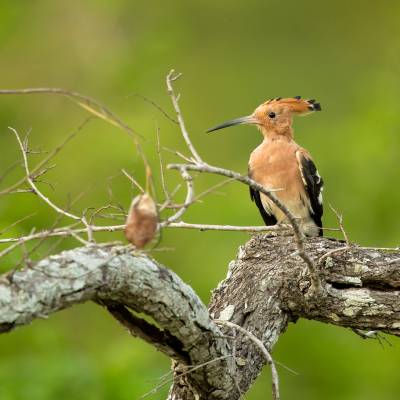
(280, 163)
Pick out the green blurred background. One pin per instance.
(234, 55)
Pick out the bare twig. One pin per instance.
(175, 101)
(70, 231)
(8, 170)
(49, 157)
(86, 102)
(157, 106)
(213, 188)
(163, 183)
(260, 345)
(33, 185)
(64, 231)
(177, 153)
(340, 220)
(231, 228)
(191, 368)
(4, 230)
(341, 227)
(133, 181)
(98, 213)
(92, 106)
(332, 252)
(375, 335)
(189, 197)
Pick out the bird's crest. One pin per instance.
(295, 104)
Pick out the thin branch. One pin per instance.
(64, 231)
(48, 158)
(260, 345)
(7, 171)
(67, 231)
(213, 188)
(177, 153)
(133, 181)
(341, 227)
(4, 230)
(374, 335)
(162, 175)
(189, 197)
(231, 228)
(346, 238)
(33, 185)
(92, 106)
(332, 252)
(175, 101)
(191, 368)
(86, 102)
(157, 106)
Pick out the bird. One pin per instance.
(281, 164)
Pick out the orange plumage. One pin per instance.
(280, 163)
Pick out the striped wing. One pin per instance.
(314, 186)
(269, 219)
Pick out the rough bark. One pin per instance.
(265, 289)
(121, 281)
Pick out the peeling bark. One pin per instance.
(265, 289)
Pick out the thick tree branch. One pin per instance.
(263, 292)
(265, 286)
(183, 329)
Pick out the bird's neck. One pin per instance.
(284, 133)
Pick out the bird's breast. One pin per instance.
(274, 165)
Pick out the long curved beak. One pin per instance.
(238, 121)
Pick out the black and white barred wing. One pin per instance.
(313, 184)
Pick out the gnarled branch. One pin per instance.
(263, 292)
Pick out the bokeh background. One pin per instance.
(234, 55)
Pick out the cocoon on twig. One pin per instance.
(141, 224)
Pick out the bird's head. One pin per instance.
(275, 116)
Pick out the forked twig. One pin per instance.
(33, 185)
(175, 101)
(48, 158)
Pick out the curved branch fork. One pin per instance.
(263, 292)
(183, 329)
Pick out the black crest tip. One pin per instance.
(317, 107)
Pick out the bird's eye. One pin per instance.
(271, 114)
